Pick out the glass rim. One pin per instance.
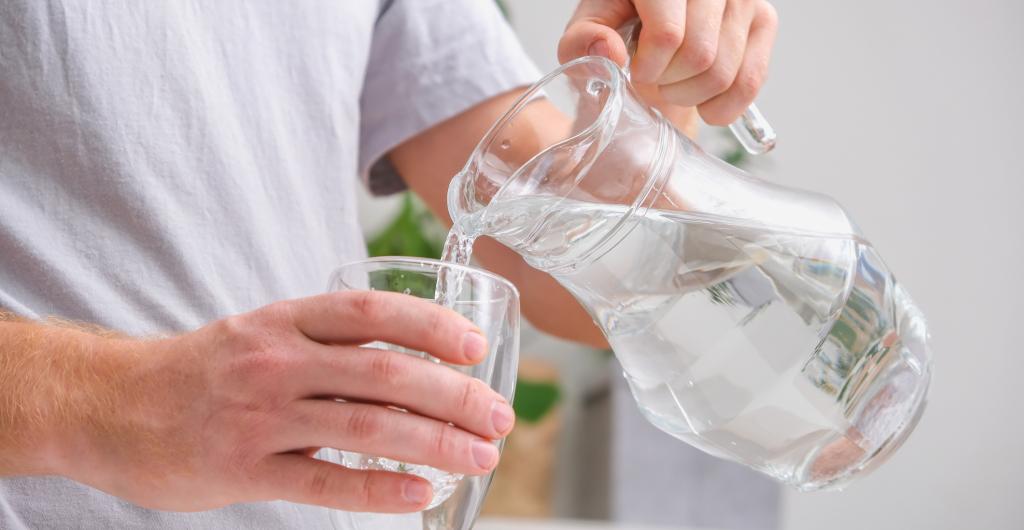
(423, 264)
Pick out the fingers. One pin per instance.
(587, 37)
(297, 478)
(379, 430)
(707, 53)
(720, 76)
(592, 31)
(664, 24)
(358, 317)
(427, 388)
(726, 107)
(700, 43)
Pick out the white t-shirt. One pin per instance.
(164, 164)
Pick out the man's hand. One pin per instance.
(233, 412)
(708, 54)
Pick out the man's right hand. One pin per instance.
(233, 412)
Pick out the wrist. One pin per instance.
(96, 383)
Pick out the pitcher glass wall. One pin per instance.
(752, 320)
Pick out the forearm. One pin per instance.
(55, 383)
(545, 303)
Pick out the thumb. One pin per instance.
(588, 37)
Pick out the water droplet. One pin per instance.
(506, 143)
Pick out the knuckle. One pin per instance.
(278, 311)
(364, 423)
(469, 395)
(769, 15)
(388, 367)
(320, 481)
(255, 337)
(700, 55)
(667, 35)
(438, 321)
(262, 363)
(719, 80)
(235, 329)
(371, 305)
(367, 491)
(747, 85)
(445, 440)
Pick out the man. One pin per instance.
(175, 166)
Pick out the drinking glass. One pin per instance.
(492, 304)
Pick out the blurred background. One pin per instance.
(906, 112)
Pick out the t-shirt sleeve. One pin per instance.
(431, 60)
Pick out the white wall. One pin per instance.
(909, 113)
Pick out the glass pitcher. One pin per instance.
(751, 320)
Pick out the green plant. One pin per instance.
(414, 232)
(416, 284)
(535, 399)
(502, 7)
(736, 154)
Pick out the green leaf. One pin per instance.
(535, 399)
(503, 8)
(405, 236)
(736, 155)
(416, 284)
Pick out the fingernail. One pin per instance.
(416, 491)
(485, 454)
(502, 417)
(474, 346)
(600, 48)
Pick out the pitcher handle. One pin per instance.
(751, 129)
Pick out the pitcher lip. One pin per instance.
(615, 94)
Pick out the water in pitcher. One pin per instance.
(792, 352)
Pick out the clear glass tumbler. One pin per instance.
(489, 301)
